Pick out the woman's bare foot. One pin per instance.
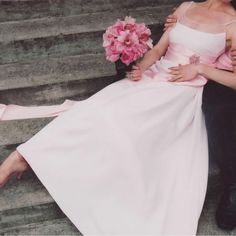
(14, 164)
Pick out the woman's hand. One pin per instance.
(136, 73)
(170, 21)
(183, 73)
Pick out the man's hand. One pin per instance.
(170, 21)
(183, 73)
(233, 56)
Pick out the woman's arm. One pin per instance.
(222, 77)
(150, 57)
(160, 48)
(157, 51)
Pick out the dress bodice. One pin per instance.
(186, 42)
(188, 45)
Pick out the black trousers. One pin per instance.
(219, 107)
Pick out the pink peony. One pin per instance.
(142, 29)
(108, 40)
(142, 48)
(118, 27)
(112, 54)
(112, 33)
(126, 40)
(129, 24)
(129, 20)
(144, 35)
(128, 56)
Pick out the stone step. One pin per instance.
(26, 207)
(52, 80)
(15, 10)
(207, 224)
(46, 27)
(18, 131)
(61, 226)
(74, 35)
(20, 194)
(55, 93)
(26, 202)
(54, 70)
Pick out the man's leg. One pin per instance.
(219, 106)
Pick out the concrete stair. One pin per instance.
(15, 10)
(28, 209)
(70, 35)
(52, 80)
(51, 50)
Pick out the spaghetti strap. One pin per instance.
(183, 15)
(188, 7)
(16, 112)
(185, 9)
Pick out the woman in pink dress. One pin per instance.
(132, 159)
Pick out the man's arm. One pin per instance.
(156, 52)
(223, 77)
(160, 48)
(150, 57)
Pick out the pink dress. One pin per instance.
(132, 159)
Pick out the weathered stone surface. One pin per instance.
(43, 38)
(34, 208)
(54, 70)
(22, 216)
(46, 27)
(207, 224)
(55, 93)
(63, 226)
(13, 132)
(23, 193)
(5, 150)
(13, 10)
(52, 227)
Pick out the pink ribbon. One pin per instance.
(16, 112)
(182, 55)
(175, 53)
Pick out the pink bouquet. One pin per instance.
(126, 40)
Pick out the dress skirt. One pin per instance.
(130, 160)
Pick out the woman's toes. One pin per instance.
(15, 164)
